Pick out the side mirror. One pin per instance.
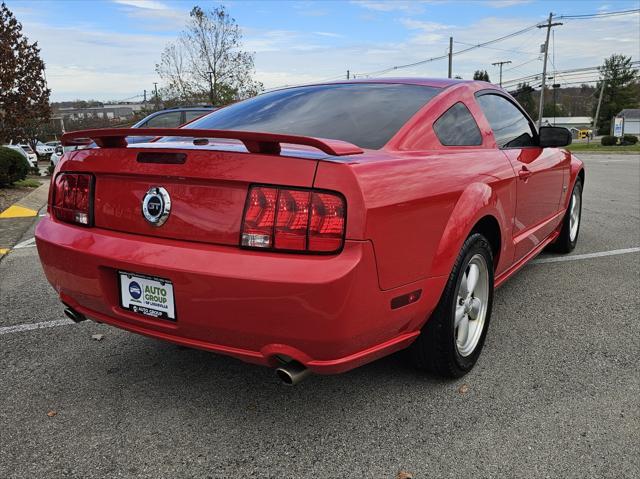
(554, 136)
(59, 150)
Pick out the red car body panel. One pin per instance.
(410, 206)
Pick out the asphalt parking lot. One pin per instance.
(556, 392)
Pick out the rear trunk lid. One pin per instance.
(207, 187)
(203, 174)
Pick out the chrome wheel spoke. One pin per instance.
(463, 286)
(463, 330)
(472, 278)
(459, 315)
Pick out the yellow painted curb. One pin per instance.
(17, 211)
(3, 251)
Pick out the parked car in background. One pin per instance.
(53, 143)
(44, 150)
(31, 158)
(169, 118)
(315, 228)
(59, 151)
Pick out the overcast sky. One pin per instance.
(107, 50)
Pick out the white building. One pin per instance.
(631, 125)
(571, 123)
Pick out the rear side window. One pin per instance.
(510, 127)
(166, 120)
(193, 114)
(457, 127)
(365, 114)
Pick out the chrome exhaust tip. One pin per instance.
(292, 373)
(74, 316)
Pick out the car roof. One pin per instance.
(430, 82)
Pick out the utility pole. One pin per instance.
(145, 97)
(155, 88)
(555, 87)
(595, 120)
(450, 56)
(548, 26)
(501, 63)
(211, 88)
(348, 74)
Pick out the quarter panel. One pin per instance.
(408, 203)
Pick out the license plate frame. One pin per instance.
(155, 296)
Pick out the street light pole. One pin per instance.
(555, 87)
(450, 57)
(211, 88)
(155, 88)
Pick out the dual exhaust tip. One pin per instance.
(290, 373)
(73, 315)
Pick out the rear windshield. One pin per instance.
(365, 114)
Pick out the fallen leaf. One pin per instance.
(404, 475)
(463, 389)
(97, 337)
(51, 413)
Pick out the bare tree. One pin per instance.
(207, 61)
(24, 96)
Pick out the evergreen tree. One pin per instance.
(620, 89)
(24, 96)
(481, 75)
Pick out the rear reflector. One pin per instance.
(406, 299)
(287, 219)
(72, 197)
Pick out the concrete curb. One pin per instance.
(17, 218)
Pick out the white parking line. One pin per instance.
(67, 322)
(30, 243)
(577, 257)
(30, 326)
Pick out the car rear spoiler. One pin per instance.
(255, 142)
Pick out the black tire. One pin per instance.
(564, 244)
(435, 349)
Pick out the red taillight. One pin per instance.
(293, 220)
(326, 227)
(71, 201)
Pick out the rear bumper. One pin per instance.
(326, 312)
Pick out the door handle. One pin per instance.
(524, 173)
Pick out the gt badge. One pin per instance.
(156, 206)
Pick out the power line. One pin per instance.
(534, 77)
(441, 57)
(486, 44)
(599, 15)
(494, 48)
(522, 64)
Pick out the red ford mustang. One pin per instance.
(315, 228)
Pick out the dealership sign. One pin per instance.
(618, 127)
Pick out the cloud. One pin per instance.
(144, 4)
(88, 60)
(430, 32)
(415, 6)
(506, 3)
(309, 9)
(329, 34)
(153, 15)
